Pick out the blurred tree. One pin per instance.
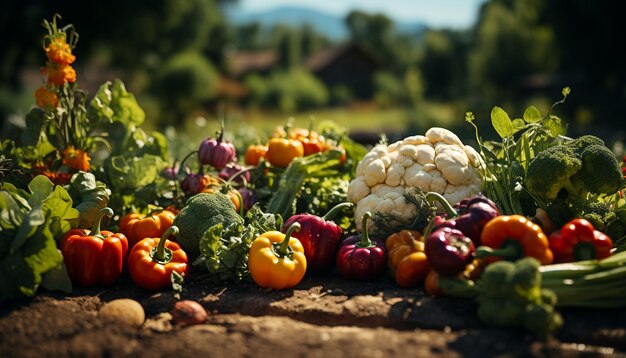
(443, 63)
(248, 36)
(289, 49)
(509, 43)
(311, 41)
(183, 83)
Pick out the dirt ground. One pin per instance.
(324, 316)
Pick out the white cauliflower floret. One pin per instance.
(437, 161)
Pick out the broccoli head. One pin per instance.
(510, 295)
(581, 166)
(551, 171)
(581, 143)
(202, 211)
(601, 172)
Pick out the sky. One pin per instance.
(434, 13)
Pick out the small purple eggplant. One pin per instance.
(217, 152)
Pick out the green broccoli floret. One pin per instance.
(581, 166)
(510, 295)
(581, 143)
(599, 214)
(601, 173)
(202, 211)
(551, 171)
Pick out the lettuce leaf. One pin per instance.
(31, 221)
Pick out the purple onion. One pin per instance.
(216, 152)
(231, 169)
(248, 197)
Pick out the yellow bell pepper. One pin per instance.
(277, 260)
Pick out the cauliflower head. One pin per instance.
(437, 161)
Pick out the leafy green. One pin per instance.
(89, 195)
(113, 103)
(30, 223)
(501, 122)
(224, 250)
(506, 162)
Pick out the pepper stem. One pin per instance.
(221, 133)
(95, 228)
(283, 250)
(311, 123)
(156, 210)
(332, 212)
(511, 250)
(434, 198)
(182, 163)
(365, 238)
(159, 254)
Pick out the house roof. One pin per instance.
(245, 62)
(323, 58)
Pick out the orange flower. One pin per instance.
(46, 98)
(76, 159)
(60, 52)
(59, 74)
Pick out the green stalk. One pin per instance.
(283, 249)
(337, 208)
(95, 228)
(365, 238)
(162, 254)
(511, 250)
(434, 198)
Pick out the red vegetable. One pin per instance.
(94, 257)
(578, 240)
(360, 258)
(319, 237)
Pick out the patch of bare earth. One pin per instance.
(324, 316)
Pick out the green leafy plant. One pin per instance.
(31, 221)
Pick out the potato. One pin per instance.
(124, 311)
(187, 312)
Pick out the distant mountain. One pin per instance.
(330, 25)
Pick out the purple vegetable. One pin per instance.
(475, 213)
(216, 152)
(233, 169)
(360, 258)
(248, 198)
(449, 251)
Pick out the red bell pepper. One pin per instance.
(578, 240)
(360, 258)
(319, 237)
(94, 257)
(152, 260)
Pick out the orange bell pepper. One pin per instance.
(94, 257)
(406, 259)
(412, 270)
(254, 153)
(137, 227)
(277, 260)
(401, 244)
(280, 151)
(513, 237)
(152, 260)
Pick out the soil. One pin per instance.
(324, 316)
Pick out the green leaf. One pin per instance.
(40, 188)
(501, 122)
(128, 174)
(518, 124)
(60, 212)
(532, 115)
(57, 279)
(89, 196)
(554, 126)
(35, 123)
(113, 103)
